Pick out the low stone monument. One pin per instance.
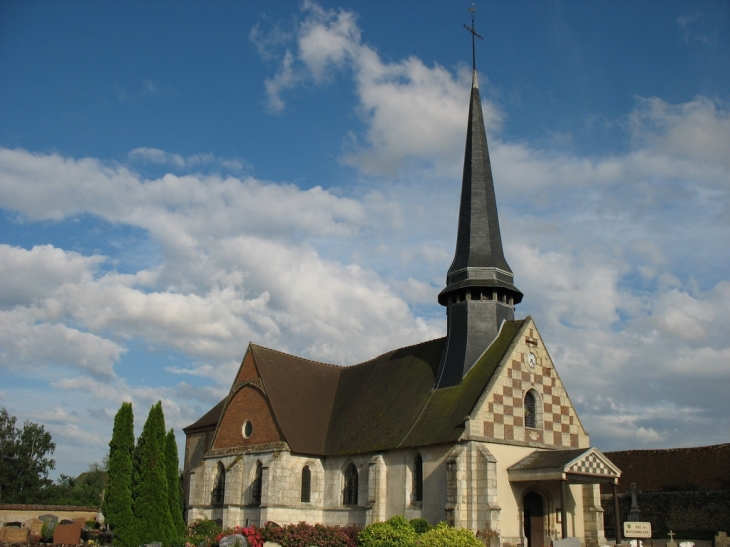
(34, 525)
(671, 542)
(230, 541)
(566, 542)
(68, 534)
(81, 521)
(13, 534)
(721, 540)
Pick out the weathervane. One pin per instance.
(471, 10)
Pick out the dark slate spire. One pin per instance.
(479, 293)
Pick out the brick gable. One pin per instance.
(248, 403)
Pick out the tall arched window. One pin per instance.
(219, 490)
(530, 410)
(306, 484)
(257, 485)
(418, 478)
(349, 494)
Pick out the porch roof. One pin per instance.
(586, 465)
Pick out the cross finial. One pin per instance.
(471, 10)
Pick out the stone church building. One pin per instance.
(475, 428)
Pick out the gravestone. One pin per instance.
(566, 542)
(52, 520)
(686, 544)
(34, 525)
(13, 534)
(81, 521)
(721, 540)
(68, 534)
(230, 541)
(671, 542)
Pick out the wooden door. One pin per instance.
(534, 522)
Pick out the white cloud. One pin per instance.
(414, 113)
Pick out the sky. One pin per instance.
(178, 179)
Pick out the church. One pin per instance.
(475, 428)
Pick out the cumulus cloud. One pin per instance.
(413, 113)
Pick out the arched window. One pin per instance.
(257, 485)
(418, 478)
(306, 484)
(530, 410)
(349, 494)
(219, 490)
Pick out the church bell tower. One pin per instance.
(479, 293)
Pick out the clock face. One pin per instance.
(531, 359)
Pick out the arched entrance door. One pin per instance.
(534, 523)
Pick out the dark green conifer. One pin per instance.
(151, 499)
(117, 504)
(173, 487)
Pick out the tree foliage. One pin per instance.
(24, 466)
(86, 489)
(174, 487)
(151, 499)
(117, 506)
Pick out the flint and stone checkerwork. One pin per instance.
(502, 414)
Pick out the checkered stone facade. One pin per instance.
(592, 464)
(502, 412)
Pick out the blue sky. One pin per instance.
(180, 178)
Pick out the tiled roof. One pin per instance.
(702, 468)
(209, 419)
(387, 402)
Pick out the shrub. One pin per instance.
(304, 535)
(250, 533)
(421, 526)
(203, 530)
(445, 536)
(395, 532)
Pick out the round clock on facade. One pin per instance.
(531, 359)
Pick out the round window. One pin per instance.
(247, 429)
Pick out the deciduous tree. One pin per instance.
(24, 466)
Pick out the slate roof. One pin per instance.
(385, 403)
(703, 468)
(209, 419)
(551, 459)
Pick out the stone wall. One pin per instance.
(676, 511)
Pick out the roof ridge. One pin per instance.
(393, 351)
(346, 366)
(298, 357)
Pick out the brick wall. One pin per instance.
(249, 403)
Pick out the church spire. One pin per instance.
(479, 293)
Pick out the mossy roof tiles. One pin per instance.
(385, 403)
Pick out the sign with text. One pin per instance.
(637, 529)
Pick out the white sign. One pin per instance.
(637, 529)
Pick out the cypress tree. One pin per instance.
(151, 499)
(117, 504)
(173, 487)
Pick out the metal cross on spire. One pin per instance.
(471, 10)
